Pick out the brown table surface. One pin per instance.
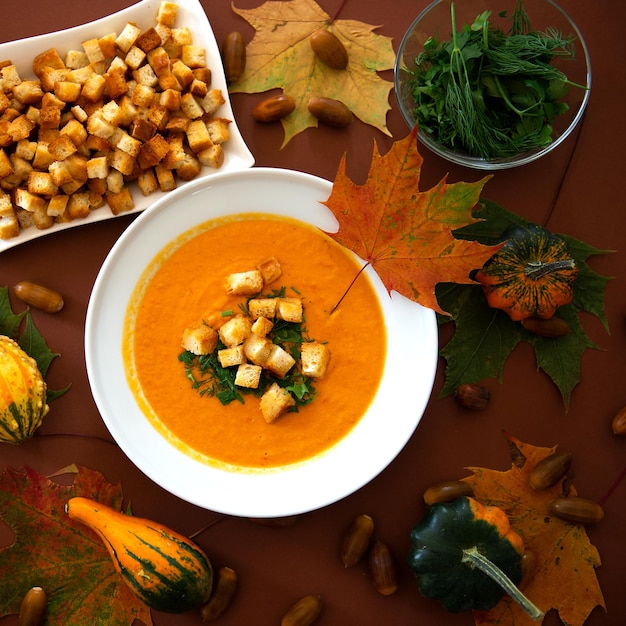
(276, 566)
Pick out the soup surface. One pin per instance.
(185, 284)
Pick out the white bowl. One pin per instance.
(191, 14)
(368, 448)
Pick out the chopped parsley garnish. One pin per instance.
(209, 378)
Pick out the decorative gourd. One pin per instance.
(532, 275)
(22, 393)
(166, 570)
(467, 556)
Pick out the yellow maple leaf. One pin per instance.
(280, 56)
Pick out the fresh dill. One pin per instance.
(489, 93)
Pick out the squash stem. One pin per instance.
(540, 269)
(474, 558)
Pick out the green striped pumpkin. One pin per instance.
(166, 570)
(532, 275)
(22, 393)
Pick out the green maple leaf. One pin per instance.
(280, 57)
(67, 560)
(484, 337)
(9, 322)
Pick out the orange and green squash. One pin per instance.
(532, 275)
(467, 556)
(166, 570)
(22, 393)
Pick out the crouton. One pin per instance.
(93, 88)
(167, 13)
(213, 156)
(279, 361)
(189, 168)
(248, 375)
(191, 106)
(148, 40)
(198, 136)
(98, 167)
(128, 36)
(134, 57)
(218, 129)
(262, 307)
(41, 183)
(289, 309)
(257, 349)
(212, 101)
(200, 339)
(142, 130)
(165, 178)
(61, 148)
(67, 91)
(270, 270)
(193, 56)
(235, 331)
(9, 226)
(57, 205)
(6, 169)
(244, 283)
(229, 357)
(262, 326)
(314, 357)
(48, 58)
(28, 92)
(274, 402)
(152, 152)
(120, 202)
(78, 205)
(147, 182)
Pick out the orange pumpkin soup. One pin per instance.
(185, 284)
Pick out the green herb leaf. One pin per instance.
(489, 93)
(9, 322)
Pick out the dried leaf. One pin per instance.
(406, 234)
(63, 557)
(565, 577)
(280, 56)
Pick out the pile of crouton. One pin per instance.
(247, 344)
(137, 106)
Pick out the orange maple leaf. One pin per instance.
(564, 578)
(407, 234)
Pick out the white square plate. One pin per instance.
(190, 15)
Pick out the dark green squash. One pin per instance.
(466, 555)
(532, 275)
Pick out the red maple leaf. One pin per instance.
(404, 233)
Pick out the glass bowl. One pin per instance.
(435, 21)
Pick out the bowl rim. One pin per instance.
(478, 162)
(275, 492)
